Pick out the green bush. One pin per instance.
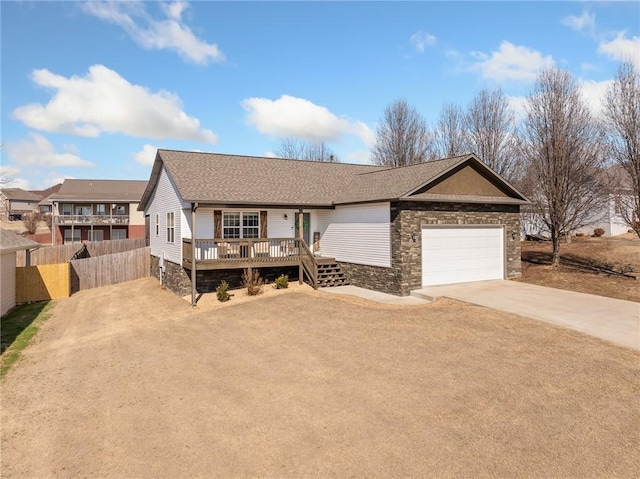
(222, 292)
(282, 282)
(598, 232)
(253, 282)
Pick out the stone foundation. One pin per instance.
(178, 279)
(372, 277)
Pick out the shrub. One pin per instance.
(48, 220)
(598, 232)
(31, 221)
(282, 282)
(222, 292)
(253, 282)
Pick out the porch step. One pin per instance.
(330, 274)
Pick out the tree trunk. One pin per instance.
(555, 240)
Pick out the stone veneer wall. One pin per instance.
(405, 273)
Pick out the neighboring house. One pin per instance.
(617, 200)
(45, 206)
(96, 210)
(10, 244)
(17, 202)
(389, 229)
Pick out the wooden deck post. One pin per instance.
(300, 238)
(194, 207)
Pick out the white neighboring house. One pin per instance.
(10, 244)
(386, 229)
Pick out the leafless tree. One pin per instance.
(490, 130)
(31, 221)
(403, 137)
(561, 145)
(304, 150)
(622, 120)
(451, 136)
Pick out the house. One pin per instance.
(96, 210)
(10, 243)
(617, 203)
(16, 202)
(387, 229)
(45, 206)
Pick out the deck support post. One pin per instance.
(300, 237)
(194, 207)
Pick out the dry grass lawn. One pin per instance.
(587, 265)
(129, 381)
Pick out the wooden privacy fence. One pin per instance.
(110, 269)
(42, 282)
(63, 253)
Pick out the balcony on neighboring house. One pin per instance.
(118, 219)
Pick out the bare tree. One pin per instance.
(31, 221)
(304, 150)
(622, 119)
(490, 130)
(403, 137)
(451, 136)
(561, 145)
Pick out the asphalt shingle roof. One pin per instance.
(232, 179)
(10, 241)
(18, 194)
(100, 190)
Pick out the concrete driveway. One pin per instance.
(610, 319)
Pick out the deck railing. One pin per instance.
(91, 219)
(257, 250)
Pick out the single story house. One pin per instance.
(387, 229)
(10, 243)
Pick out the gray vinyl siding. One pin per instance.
(8, 283)
(358, 234)
(166, 199)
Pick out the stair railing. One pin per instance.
(309, 263)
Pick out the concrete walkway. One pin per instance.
(376, 296)
(610, 319)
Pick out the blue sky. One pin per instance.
(90, 90)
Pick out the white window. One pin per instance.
(100, 209)
(96, 235)
(66, 209)
(170, 227)
(83, 210)
(120, 210)
(118, 233)
(68, 238)
(237, 224)
(157, 224)
(231, 225)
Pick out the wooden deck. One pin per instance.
(217, 253)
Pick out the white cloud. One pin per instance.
(622, 48)
(361, 157)
(518, 107)
(586, 20)
(586, 66)
(270, 154)
(593, 94)
(170, 33)
(296, 117)
(40, 152)
(422, 39)
(103, 101)
(511, 62)
(147, 155)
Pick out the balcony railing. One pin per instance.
(91, 219)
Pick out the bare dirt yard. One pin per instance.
(602, 266)
(129, 381)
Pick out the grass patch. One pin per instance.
(17, 328)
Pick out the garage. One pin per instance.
(459, 254)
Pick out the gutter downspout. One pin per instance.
(194, 207)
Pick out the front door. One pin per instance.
(306, 218)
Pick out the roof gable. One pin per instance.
(18, 194)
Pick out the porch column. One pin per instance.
(194, 207)
(300, 238)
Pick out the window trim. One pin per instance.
(241, 226)
(157, 224)
(171, 227)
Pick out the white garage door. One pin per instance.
(462, 254)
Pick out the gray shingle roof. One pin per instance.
(232, 179)
(18, 194)
(10, 241)
(100, 190)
